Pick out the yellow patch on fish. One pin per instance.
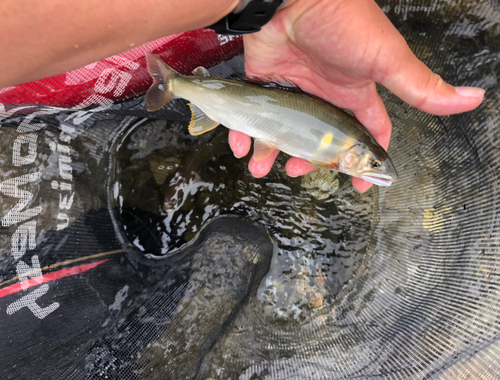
(325, 141)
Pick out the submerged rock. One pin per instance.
(321, 184)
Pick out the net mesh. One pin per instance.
(269, 279)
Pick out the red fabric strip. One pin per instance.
(35, 281)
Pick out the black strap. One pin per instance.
(254, 16)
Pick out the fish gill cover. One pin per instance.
(132, 250)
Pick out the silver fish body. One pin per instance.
(298, 124)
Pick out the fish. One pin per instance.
(295, 122)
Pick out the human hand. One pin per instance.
(337, 50)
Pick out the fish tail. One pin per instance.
(160, 92)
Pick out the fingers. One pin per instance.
(360, 184)
(261, 168)
(373, 115)
(417, 85)
(240, 143)
(297, 166)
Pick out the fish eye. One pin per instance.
(376, 164)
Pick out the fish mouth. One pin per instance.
(378, 179)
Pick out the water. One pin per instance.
(169, 185)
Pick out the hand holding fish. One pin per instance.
(334, 49)
(338, 50)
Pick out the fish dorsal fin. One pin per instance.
(273, 81)
(201, 72)
(262, 149)
(200, 122)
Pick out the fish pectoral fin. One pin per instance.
(323, 165)
(262, 149)
(200, 122)
(201, 72)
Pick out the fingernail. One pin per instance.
(470, 92)
(235, 155)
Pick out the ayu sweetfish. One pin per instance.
(296, 123)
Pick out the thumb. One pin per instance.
(417, 85)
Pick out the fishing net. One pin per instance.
(132, 250)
